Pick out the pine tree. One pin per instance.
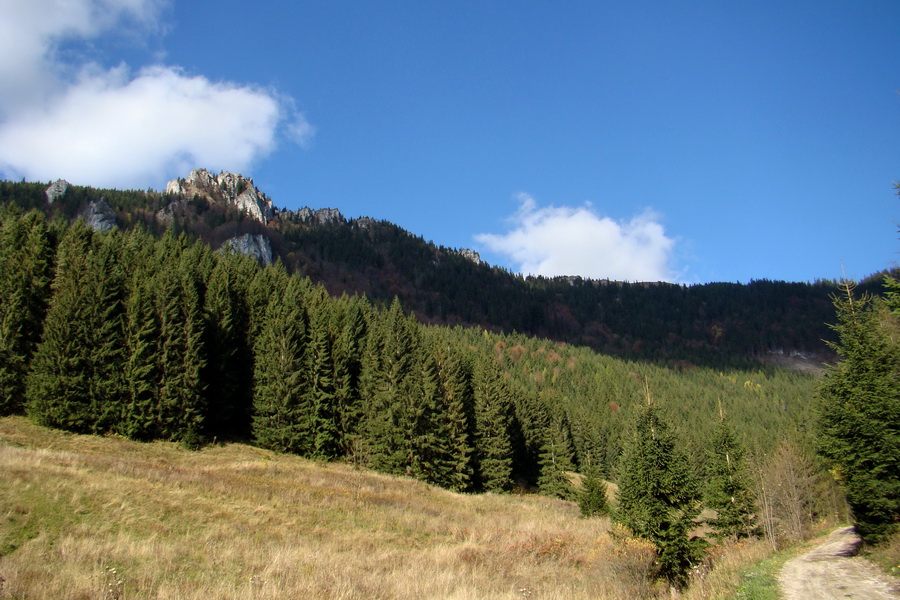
(658, 497)
(456, 427)
(533, 438)
(389, 389)
(349, 324)
(180, 395)
(75, 382)
(25, 275)
(321, 389)
(556, 461)
(138, 419)
(592, 500)
(493, 423)
(229, 367)
(860, 412)
(281, 420)
(266, 284)
(57, 390)
(728, 488)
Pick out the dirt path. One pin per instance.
(829, 572)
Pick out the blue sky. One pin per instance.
(683, 141)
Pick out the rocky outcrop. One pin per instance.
(364, 223)
(311, 216)
(56, 190)
(225, 188)
(255, 245)
(99, 215)
(471, 255)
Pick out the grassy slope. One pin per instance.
(238, 522)
(103, 517)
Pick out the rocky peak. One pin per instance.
(471, 255)
(57, 189)
(225, 188)
(310, 216)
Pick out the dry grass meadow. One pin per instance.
(85, 517)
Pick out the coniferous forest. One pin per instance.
(147, 332)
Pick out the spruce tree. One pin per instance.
(658, 496)
(860, 412)
(389, 389)
(76, 382)
(456, 426)
(349, 326)
(592, 499)
(58, 393)
(728, 487)
(431, 446)
(270, 282)
(26, 257)
(493, 424)
(320, 391)
(139, 410)
(180, 395)
(229, 366)
(556, 460)
(281, 419)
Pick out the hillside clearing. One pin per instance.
(88, 517)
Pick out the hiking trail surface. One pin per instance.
(832, 571)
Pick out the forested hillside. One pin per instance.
(712, 323)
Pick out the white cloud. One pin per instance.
(556, 241)
(115, 127)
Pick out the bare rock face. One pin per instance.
(56, 190)
(321, 216)
(226, 188)
(257, 246)
(471, 255)
(99, 215)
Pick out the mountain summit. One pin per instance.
(225, 188)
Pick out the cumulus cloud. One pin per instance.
(554, 241)
(70, 118)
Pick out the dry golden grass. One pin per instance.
(85, 517)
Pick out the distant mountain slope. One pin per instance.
(698, 323)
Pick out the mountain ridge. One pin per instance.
(662, 321)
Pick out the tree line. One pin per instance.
(162, 338)
(716, 324)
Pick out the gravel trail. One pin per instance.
(831, 571)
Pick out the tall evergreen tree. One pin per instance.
(349, 327)
(456, 427)
(658, 496)
(321, 388)
(728, 487)
(180, 394)
(139, 411)
(281, 417)
(75, 381)
(229, 367)
(26, 257)
(556, 460)
(860, 412)
(270, 282)
(389, 389)
(493, 425)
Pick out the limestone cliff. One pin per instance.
(225, 188)
(257, 246)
